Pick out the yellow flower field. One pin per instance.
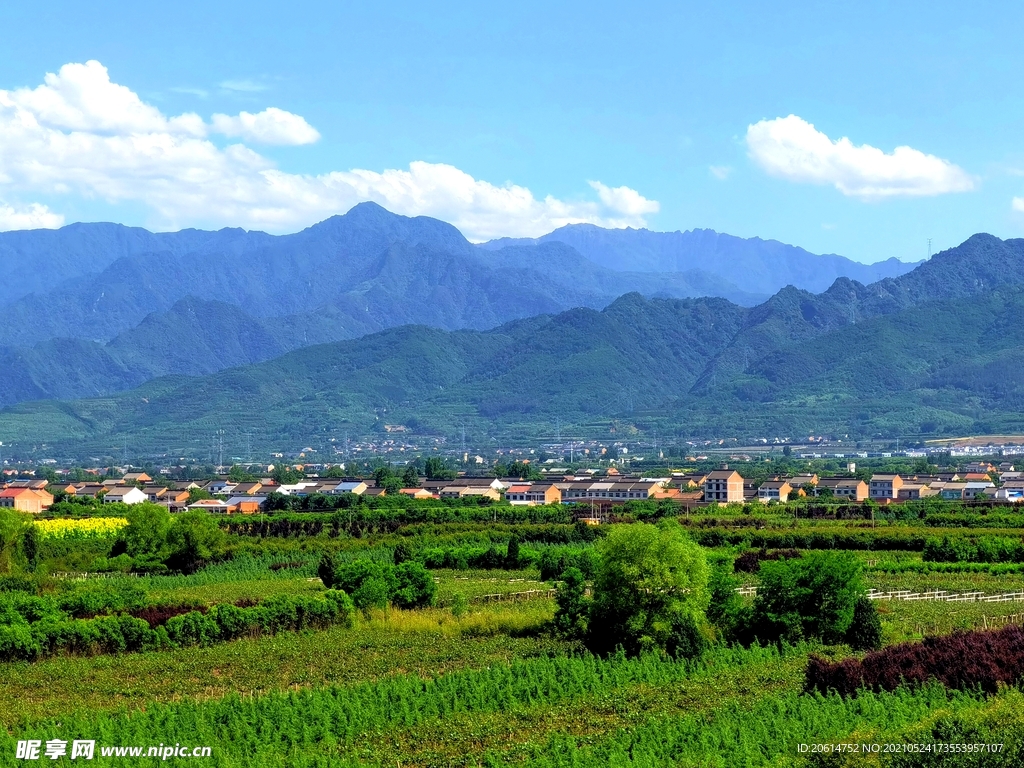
(88, 528)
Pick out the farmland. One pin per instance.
(242, 651)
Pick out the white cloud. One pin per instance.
(720, 172)
(625, 201)
(33, 216)
(271, 126)
(81, 134)
(791, 148)
(1018, 204)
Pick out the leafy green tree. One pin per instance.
(726, 608)
(570, 596)
(285, 475)
(335, 472)
(435, 468)
(12, 528)
(239, 474)
(198, 494)
(649, 580)
(522, 470)
(460, 605)
(30, 546)
(512, 555)
(146, 532)
(402, 553)
(410, 477)
(415, 586)
(194, 539)
(865, 632)
(813, 596)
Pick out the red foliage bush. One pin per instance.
(962, 660)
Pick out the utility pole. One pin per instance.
(929, 247)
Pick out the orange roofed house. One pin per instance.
(31, 500)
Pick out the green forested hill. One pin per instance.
(939, 367)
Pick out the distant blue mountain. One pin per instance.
(754, 265)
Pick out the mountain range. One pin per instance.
(754, 265)
(934, 351)
(93, 309)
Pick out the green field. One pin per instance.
(482, 677)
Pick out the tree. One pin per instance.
(865, 632)
(512, 556)
(410, 478)
(194, 539)
(198, 494)
(416, 587)
(12, 528)
(30, 546)
(650, 580)
(146, 532)
(570, 596)
(435, 468)
(285, 475)
(813, 596)
(238, 474)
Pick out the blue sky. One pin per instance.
(511, 119)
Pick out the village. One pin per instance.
(978, 481)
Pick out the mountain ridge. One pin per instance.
(932, 352)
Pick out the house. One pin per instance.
(885, 487)
(724, 486)
(1006, 466)
(463, 491)
(136, 477)
(916, 491)
(246, 505)
(953, 491)
(1010, 493)
(156, 492)
(799, 481)
(531, 494)
(90, 490)
(979, 467)
(853, 489)
(248, 489)
(128, 494)
(221, 487)
(417, 493)
(210, 505)
(36, 484)
(31, 500)
(689, 481)
(979, 490)
(774, 490)
(358, 488)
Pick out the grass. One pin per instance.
(233, 591)
(426, 643)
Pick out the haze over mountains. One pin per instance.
(92, 309)
(933, 351)
(755, 265)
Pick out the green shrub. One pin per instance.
(416, 587)
(192, 628)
